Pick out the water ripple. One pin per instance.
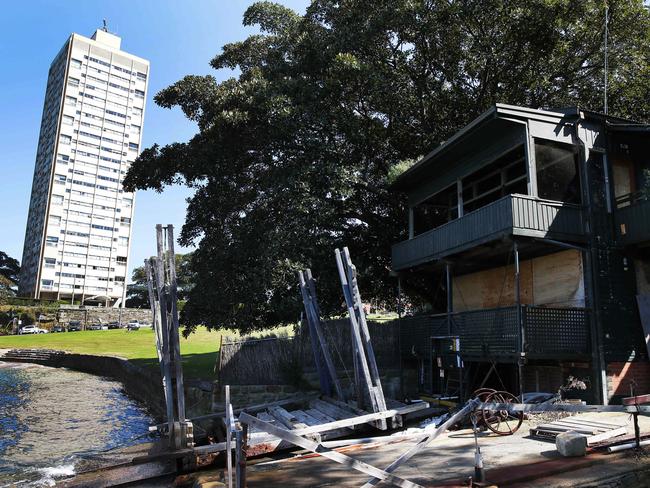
(49, 417)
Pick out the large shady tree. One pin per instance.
(293, 157)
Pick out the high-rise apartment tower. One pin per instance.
(79, 225)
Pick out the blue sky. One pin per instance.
(178, 37)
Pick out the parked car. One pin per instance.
(31, 329)
(115, 325)
(133, 325)
(58, 328)
(74, 326)
(95, 327)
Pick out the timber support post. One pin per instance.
(520, 323)
(450, 298)
(362, 345)
(162, 288)
(326, 373)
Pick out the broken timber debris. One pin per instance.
(325, 452)
(318, 419)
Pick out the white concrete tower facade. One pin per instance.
(79, 226)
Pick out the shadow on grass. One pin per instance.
(195, 366)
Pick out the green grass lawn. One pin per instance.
(199, 350)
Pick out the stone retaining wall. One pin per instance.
(104, 315)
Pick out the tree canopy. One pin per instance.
(9, 269)
(294, 155)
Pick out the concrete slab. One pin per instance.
(448, 459)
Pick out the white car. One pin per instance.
(133, 325)
(31, 329)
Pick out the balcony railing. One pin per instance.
(521, 215)
(633, 220)
(495, 334)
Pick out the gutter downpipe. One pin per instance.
(599, 366)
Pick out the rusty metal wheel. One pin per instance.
(502, 422)
(482, 394)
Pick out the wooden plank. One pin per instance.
(228, 438)
(348, 422)
(424, 440)
(266, 417)
(240, 459)
(304, 417)
(297, 400)
(578, 423)
(579, 420)
(524, 407)
(365, 333)
(380, 424)
(320, 416)
(323, 418)
(153, 304)
(391, 403)
(286, 418)
(345, 406)
(174, 325)
(159, 279)
(328, 453)
(331, 410)
(311, 312)
(606, 435)
(356, 333)
(311, 287)
(308, 290)
(327, 356)
(559, 429)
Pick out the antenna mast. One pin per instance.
(606, 67)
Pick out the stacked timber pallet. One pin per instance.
(594, 430)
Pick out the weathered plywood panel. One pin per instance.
(558, 279)
(492, 288)
(555, 280)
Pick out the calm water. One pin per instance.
(51, 419)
